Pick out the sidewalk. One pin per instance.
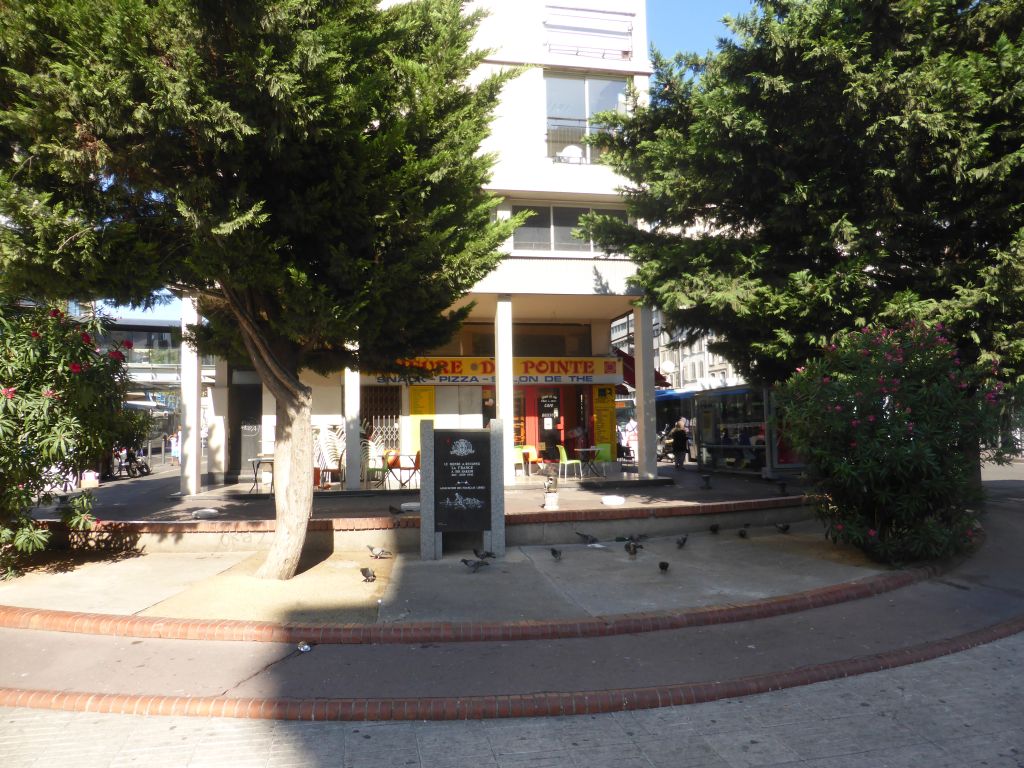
(696, 658)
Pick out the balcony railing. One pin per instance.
(566, 141)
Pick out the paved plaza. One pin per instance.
(960, 711)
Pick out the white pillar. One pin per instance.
(504, 382)
(353, 450)
(216, 427)
(191, 405)
(643, 335)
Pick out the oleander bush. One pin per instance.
(60, 407)
(893, 423)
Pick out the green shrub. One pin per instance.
(891, 422)
(60, 406)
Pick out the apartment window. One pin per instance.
(551, 228)
(572, 104)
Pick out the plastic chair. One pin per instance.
(517, 458)
(531, 456)
(329, 454)
(564, 462)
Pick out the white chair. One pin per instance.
(329, 454)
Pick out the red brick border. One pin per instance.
(590, 514)
(453, 632)
(499, 706)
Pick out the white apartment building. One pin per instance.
(535, 351)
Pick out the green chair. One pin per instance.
(604, 453)
(564, 463)
(517, 458)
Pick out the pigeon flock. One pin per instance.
(631, 545)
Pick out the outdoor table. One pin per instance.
(589, 458)
(257, 462)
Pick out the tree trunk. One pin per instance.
(293, 484)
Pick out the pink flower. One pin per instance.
(49, 393)
(826, 379)
(910, 426)
(35, 334)
(871, 418)
(116, 354)
(128, 344)
(800, 370)
(840, 526)
(872, 533)
(55, 313)
(853, 443)
(8, 392)
(854, 423)
(86, 338)
(75, 368)
(838, 408)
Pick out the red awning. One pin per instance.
(629, 371)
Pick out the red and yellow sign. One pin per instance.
(525, 370)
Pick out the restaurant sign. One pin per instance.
(525, 370)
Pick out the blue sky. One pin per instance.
(689, 25)
(672, 25)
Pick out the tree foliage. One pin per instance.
(839, 161)
(309, 169)
(60, 409)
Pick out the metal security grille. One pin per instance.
(380, 407)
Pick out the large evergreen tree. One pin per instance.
(308, 168)
(838, 162)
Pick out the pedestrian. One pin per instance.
(680, 443)
(176, 449)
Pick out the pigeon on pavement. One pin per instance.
(368, 574)
(743, 533)
(663, 566)
(378, 553)
(714, 528)
(782, 527)
(483, 554)
(556, 553)
(681, 541)
(474, 565)
(631, 548)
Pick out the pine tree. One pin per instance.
(839, 162)
(308, 169)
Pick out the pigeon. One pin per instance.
(556, 553)
(743, 533)
(714, 528)
(681, 541)
(378, 553)
(474, 565)
(782, 527)
(663, 566)
(632, 547)
(206, 513)
(368, 574)
(483, 554)
(304, 647)
(587, 538)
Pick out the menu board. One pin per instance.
(462, 480)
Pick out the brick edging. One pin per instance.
(377, 523)
(499, 706)
(12, 617)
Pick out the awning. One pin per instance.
(629, 371)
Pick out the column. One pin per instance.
(643, 335)
(504, 382)
(191, 405)
(217, 423)
(353, 450)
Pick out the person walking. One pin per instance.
(680, 443)
(176, 449)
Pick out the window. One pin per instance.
(572, 103)
(551, 227)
